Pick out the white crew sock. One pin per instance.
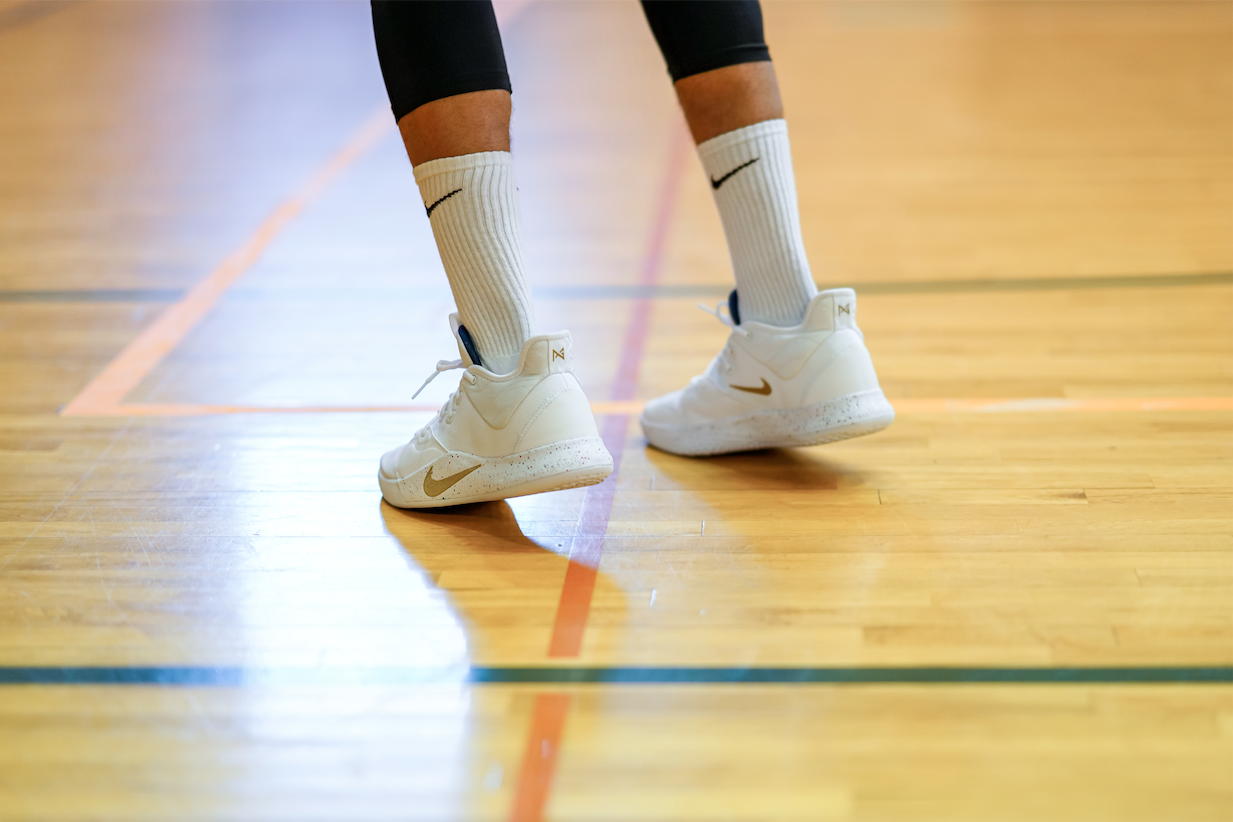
(756, 196)
(472, 203)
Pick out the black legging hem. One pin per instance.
(431, 49)
(722, 59)
(696, 36)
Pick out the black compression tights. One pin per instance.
(431, 49)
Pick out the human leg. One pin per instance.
(444, 69)
(519, 422)
(720, 65)
(795, 370)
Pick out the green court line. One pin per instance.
(922, 287)
(237, 676)
(622, 292)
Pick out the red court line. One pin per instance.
(539, 758)
(574, 605)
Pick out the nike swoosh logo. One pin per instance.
(442, 200)
(715, 184)
(437, 487)
(764, 390)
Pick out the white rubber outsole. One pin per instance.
(566, 464)
(854, 415)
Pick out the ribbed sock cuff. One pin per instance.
(462, 162)
(751, 175)
(741, 135)
(472, 204)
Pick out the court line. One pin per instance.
(94, 295)
(239, 676)
(539, 757)
(587, 546)
(622, 291)
(625, 675)
(631, 407)
(626, 407)
(109, 387)
(23, 14)
(1045, 405)
(968, 286)
(1046, 283)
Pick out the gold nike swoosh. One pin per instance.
(764, 390)
(437, 487)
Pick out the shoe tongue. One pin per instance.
(734, 307)
(466, 344)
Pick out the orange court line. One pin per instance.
(587, 546)
(633, 407)
(191, 409)
(104, 395)
(197, 409)
(107, 390)
(1060, 404)
(539, 758)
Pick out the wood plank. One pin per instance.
(934, 142)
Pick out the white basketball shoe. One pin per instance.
(501, 436)
(776, 387)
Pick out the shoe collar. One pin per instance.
(829, 310)
(466, 346)
(541, 354)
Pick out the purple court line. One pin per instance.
(587, 545)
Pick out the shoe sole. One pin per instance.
(567, 464)
(853, 415)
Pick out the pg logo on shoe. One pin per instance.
(560, 357)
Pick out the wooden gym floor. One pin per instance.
(218, 292)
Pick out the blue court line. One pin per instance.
(808, 676)
(238, 676)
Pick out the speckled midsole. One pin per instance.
(564, 464)
(852, 415)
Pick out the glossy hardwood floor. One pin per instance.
(218, 293)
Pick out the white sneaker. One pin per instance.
(776, 387)
(501, 436)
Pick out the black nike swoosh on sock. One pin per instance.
(442, 200)
(715, 184)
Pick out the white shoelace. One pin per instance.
(446, 414)
(442, 367)
(721, 313)
(725, 317)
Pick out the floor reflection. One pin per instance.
(505, 583)
(772, 469)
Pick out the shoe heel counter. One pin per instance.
(848, 373)
(567, 416)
